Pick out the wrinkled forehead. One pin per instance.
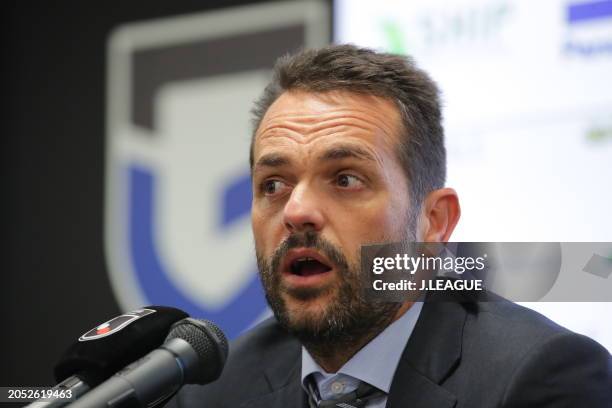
(305, 117)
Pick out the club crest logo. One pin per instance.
(178, 188)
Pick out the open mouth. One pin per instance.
(305, 262)
(307, 266)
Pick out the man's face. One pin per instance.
(326, 180)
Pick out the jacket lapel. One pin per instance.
(431, 355)
(289, 396)
(284, 380)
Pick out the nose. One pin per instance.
(303, 210)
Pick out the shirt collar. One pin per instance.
(376, 362)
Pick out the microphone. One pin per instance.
(104, 350)
(194, 353)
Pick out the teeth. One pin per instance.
(304, 259)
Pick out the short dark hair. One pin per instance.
(362, 70)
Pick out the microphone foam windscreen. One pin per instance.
(104, 350)
(209, 343)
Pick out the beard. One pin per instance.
(346, 318)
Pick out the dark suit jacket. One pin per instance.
(462, 353)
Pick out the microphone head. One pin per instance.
(112, 345)
(209, 343)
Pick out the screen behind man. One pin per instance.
(348, 150)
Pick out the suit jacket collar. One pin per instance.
(287, 392)
(431, 355)
(283, 378)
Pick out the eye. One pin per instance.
(271, 187)
(348, 181)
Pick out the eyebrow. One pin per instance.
(334, 153)
(346, 151)
(272, 160)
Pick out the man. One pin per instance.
(348, 150)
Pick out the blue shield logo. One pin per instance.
(178, 188)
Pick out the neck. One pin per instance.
(331, 356)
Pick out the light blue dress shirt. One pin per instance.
(374, 364)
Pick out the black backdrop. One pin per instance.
(54, 280)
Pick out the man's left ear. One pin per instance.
(440, 213)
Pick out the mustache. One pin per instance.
(309, 239)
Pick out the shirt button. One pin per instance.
(337, 387)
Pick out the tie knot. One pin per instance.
(354, 399)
